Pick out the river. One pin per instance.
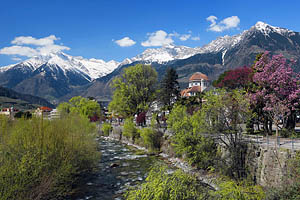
(110, 183)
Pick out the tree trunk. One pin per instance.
(270, 126)
(290, 122)
(276, 124)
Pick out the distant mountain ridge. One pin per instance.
(26, 98)
(60, 76)
(224, 53)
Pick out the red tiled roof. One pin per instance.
(195, 88)
(185, 92)
(198, 76)
(44, 108)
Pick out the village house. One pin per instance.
(43, 111)
(198, 82)
(54, 114)
(10, 112)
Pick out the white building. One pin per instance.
(198, 82)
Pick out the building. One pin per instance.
(43, 111)
(198, 82)
(10, 112)
(54, 114)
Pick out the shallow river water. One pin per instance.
(109, 183)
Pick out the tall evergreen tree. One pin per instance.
(169, 89)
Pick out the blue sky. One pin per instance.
(95, 28)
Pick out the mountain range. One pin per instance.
(59, 76)
(10, 98)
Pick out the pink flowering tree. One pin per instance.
(276, 87)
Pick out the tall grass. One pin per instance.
(40, 159)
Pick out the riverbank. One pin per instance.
(167, 155)
(121, 167)
(266, 165)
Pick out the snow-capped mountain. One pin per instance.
(57, 75)
(222, 44)
(222, 54)
(89, 68)
(163, 54)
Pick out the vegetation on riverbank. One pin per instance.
(41, 159)
(207, 130)
(162, 184)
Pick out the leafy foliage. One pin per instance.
(106, 128)
(222, 115)
(80, 105)
(151, 138)
(134, 90)
(237, 78)
(277, 87)
(229, 190)
(42, 158)
(130, 130)
(161, 185)
(199, 150)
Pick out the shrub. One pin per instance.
(198, 150)
(161, 185)
(41, 157)
(106, 128)
(151, 138)
(237, 190)
(130, 130)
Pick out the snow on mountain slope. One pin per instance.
(163, 54)
(92, 68)
(221, 44)
(266, 29)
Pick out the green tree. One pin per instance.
(64, 108)
(81, 106)
(223, 115)
(169, 88)
(134, 90)
(198, 150)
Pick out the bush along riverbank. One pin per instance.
(206, 162)
(187, 182)
(43, 159)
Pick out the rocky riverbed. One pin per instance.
(120, 167)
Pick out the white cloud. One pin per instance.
(19, 50)
(195, 38)
(158, 38)
(125, 42)
(212, 19)
(28, 40)
(185, 37)
(37, 46)
(225, 24)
